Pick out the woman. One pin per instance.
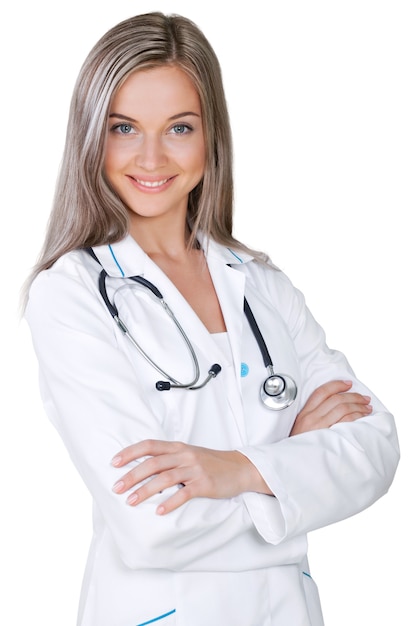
(204, 483)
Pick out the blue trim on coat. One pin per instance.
(155, 619)
(121, 271)
(235, 255)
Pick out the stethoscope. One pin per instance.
(278, 391)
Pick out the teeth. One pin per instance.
(147, 183)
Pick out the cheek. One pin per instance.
(109, 162)
(198, 160)
(114, 158)
(112, 169)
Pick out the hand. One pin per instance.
(329, 404)
(200, 471)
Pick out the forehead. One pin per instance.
(158, 90)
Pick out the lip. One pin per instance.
(151, 184)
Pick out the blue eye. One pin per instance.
(181, 129)
(125, 129)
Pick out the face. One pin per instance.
(155, 151)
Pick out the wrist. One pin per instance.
(250, 477)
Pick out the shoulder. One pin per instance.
(276, 288)
(66, 265)
(272, 280)
(76, 266)
(66, 290)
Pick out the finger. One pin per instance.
(155, 486)
(342, 411)
(174, 502)
(147, 447)
(149, 468)
(325, 391)
(352, 417)
(340, 400)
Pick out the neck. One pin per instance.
(161, 237)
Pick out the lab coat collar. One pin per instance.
(122, 259)
(126, 258)
(228, 256)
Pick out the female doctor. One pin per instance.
(192, 387)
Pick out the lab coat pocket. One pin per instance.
(166, 619)
(312, 600)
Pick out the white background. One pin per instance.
(320, 96)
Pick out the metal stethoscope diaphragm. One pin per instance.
(278, 390)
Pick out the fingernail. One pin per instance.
(117, 460)
(160, 510)
(367, 398)
(132, 499)
(117, 487)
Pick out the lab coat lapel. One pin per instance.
(230, 287)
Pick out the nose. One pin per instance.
(151, 154)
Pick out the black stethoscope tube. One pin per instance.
(257, 334)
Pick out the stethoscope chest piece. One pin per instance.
(278, 392)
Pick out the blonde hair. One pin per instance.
(86, 211)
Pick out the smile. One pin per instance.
(151, 184)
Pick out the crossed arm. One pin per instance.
(207, 473)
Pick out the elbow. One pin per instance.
(385, 457)
(151, 541)
(380, 465)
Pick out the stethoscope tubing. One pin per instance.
(278, 390)
(258, 335)
(115, 314)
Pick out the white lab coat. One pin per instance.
(239, 561)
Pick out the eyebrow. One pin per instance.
(173, 117)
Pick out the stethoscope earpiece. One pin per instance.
(164, 385)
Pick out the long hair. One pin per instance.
(86, 211)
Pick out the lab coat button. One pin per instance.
(244, 370)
